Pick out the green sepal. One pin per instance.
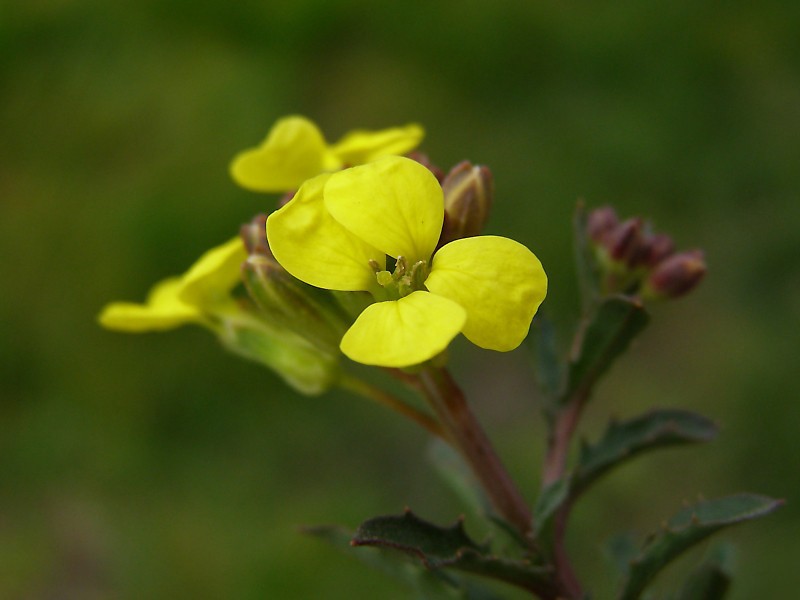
(622, 441)
(612, 327)
(302, 365)
(449, 547)
(688, 527)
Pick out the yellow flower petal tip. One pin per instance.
(499, 282)
(190, 298)
(295, 150)
(162, 311)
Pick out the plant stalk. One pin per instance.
(466, 434)
(381, 396)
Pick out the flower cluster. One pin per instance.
(634, 260)
(372, 257)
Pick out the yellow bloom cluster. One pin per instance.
(338, 230)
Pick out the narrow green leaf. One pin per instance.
(449, 547)
(614, 324)
(687, 528)
(622, 441)
(549, 501)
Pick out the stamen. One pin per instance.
(374, 265)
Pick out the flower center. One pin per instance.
(404, 280)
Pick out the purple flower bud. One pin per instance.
(600, 223)
(625, 240)
(677, 274)
(657, 248)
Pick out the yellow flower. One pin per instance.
(336, 234)
(203, 296)
(190, 298)
(295, 150)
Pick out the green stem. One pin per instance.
(466, 434)
(384, 398)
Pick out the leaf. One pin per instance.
(426, 583)
(688, 527)
(549, 501)
(438, 547)
(548, 366)
(622, 441)
(620, 550)
(616, 322)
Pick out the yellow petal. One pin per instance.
(210, 280)
(361, 146)
(162, 311)
(309, 243)
(498, 281)
(405, 332)
(293, 151)
(394, 204)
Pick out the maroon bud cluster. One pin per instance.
(635, 260)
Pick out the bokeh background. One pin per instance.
(158, 466)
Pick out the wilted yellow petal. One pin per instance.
(362, 146)
(163, 310)
(309, 243)
(211, 278)
(394, 204)
(293, 151)
(405, 332)
(499, 282)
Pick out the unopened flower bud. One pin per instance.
(676, 275)
(293, 304)
(600, 222)
(425, 161)
(624, 241)
(254, 235)
(468, 195)
(655, 249)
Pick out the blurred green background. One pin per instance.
(158, 466)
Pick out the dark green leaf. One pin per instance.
(614, 324)
(688, 527)
(548, 366)
(426, 583)
(622, 441)
(450, 547)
